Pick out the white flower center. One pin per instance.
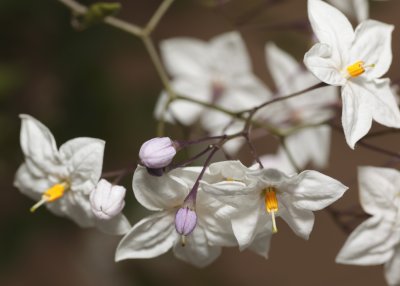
(52, 194)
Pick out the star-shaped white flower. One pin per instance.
(354, 60)
(309, 144)
(377, 240)
(259, 196)
(63, 179)
(156, 234)
(218, 72)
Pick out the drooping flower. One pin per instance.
(266, 194)
(195, 227)
(311, 144)
(217, 72)
(107, 200)
(354, 60)
(377, 240)
(63, 179)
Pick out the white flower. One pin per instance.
(63, 179)
(259, 196)
(279, 161)
(107, 200)
(218, 72)
(310, 144)
(156, 234)
(354, 60)
(377, 240)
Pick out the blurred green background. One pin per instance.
(101, 83)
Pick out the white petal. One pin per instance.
(150, 237)
(314, 191)
(185, 57)
(310, 145)
(379, 187)
(356, 113)
(278, 161)
(117, 225)
(332, 28)
(319, 60)
(76, 206)
(355, 8)
(157, 193)
(301, 221)
(283, 68)
(84, 159)
(385, 110)
(229, 54)
(38, 146)
(29, 184)
(373, 45)
(244, 224)
(184, 111)
(262, 242)
(392, 273)
(371, 243)
(197, 251)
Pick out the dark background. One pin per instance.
(101, 83)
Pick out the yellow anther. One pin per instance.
(51, 195)
(358, 68)
(271, 205)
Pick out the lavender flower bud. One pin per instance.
(157, 152)
(107, 200)
(185, 221)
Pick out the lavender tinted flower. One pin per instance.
(107, 200)
(157, 153)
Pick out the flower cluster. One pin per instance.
(197, 210)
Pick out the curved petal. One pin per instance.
(229, 54)
(150, 237)
(386, 110)
(29, 184)
(262, 242)
(371, 243)
(332, 28)
(185, 57)
(312, 190)
(245, 222)
(197, 251)
(392, 273)
(38, 146)
(301, 221)
(356, 113)
(278, 161)
(117, 225)
(84, 160)
(355, 8)
(76, 206)
(157, 193)
(373, 45)
(321, 62)
(378, 189)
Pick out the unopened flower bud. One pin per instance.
(157, 152)
(107, 200)
(185, 221)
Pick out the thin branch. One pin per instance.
(155, 19)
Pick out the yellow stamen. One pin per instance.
(358, 68)
(51, 195)
(271, 205)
